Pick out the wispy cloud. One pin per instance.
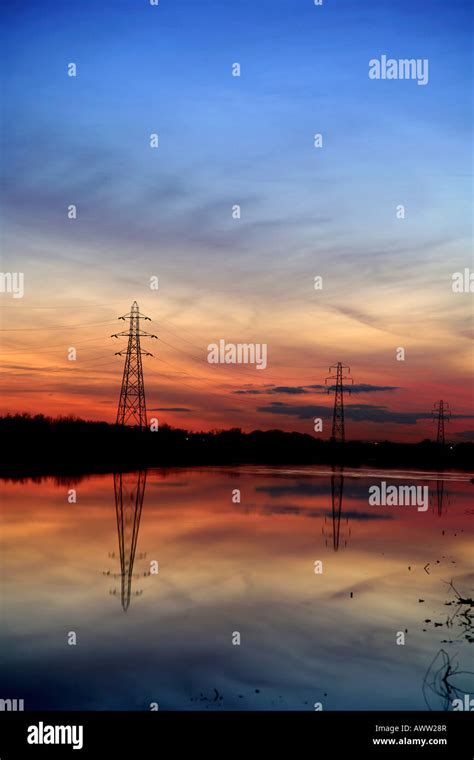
(356, 412)
(359, 388)
(170, 409)
(466, 435)
(297, 390)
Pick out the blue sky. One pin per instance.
(246, 140)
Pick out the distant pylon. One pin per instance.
(338, 433)
(132, 406)
(337, 494)
(440, 495)
(337, 488)
(442, 413)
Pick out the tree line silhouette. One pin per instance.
(64, 445)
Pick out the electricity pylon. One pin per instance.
(129, 494)
(337, 495)
(337, 489)
(440, 496)
(442, 413)
(338, 434)
(132, 406)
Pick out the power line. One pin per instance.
(61, 327)
(56, 345)
(293, 366)
(208, 392)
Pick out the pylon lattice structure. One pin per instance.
(337, 490)
(338, 537)
(341, 374)
(132, 405)
(129, 494)
(440, 496)
(442, 413)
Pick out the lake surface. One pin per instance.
(227, 569)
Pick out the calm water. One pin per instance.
(226, 568)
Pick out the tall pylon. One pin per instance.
(442, 413)
(129, 493)
(342, 375)
(132, 405)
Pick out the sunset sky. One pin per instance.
(305, 211)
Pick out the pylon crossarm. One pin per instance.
(134, 314)
(141, 333)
